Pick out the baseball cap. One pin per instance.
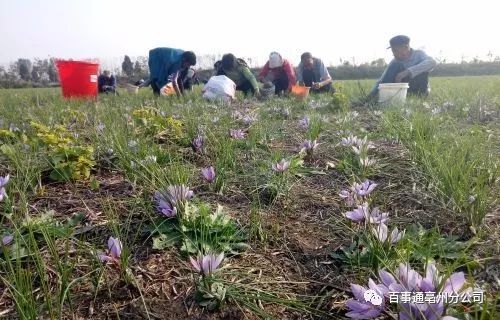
(398, 41)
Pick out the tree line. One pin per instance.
(43, 72)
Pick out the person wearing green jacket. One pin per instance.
(237, 70)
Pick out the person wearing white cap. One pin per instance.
(280, 72)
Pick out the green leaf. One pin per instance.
(7, 150)
(164, 241)
(60, 175)
(77, 218)
(241, 247)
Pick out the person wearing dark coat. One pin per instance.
(106, 83)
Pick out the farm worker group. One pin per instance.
(172, 69)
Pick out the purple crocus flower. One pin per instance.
(237, 134)
(167, 203)
(114, 251)
(7, 239)
(362, 145)
(365, 188)
(304, 123)
(349, 141)
(377, 217)
(208, 173)
(407, 279)
(368, 303)
(3, 183)
(179, 193)
(359, 214)
(197, 143)
(4, 180)
(348, 196)
(381, 232)
(281, 166)
(363, 213)
(207, 264)
(309, 146)
(115, 247)
(248, 120)
(164, 205)
(367, 162)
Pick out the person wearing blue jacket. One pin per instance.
(169, 65)
(409, 65)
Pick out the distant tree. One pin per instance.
(13, 73)
(490, 56)
(127, 66)
(141, 68)
(35, 74)
(52, 71)
(24, 69)
(380, 62)
(137, 68)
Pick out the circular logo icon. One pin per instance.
(373, 297)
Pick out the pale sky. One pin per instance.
(330, 30)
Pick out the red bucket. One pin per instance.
(78, 78)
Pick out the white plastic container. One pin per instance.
(389, 93)
(132, 89)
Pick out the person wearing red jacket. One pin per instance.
(280, 72)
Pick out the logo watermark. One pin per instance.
(435, 297)
(373, 297)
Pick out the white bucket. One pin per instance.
(132, 89)
(392, 93)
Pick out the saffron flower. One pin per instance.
(208, 174)
(362, 213)
(365, 188)
(197, 143)
(114, 251)
(304, 123)
(7, 239)
(281, 166)
(408, 280)
(248, 120)
(359, 214)
(367, 162)
(167, 203)
(349, 196)
(3, 183)
(362, 146)
(349, 141)
(207, 264)
(180, 193)
(237, 134)
(381, 232)
(368, 302)
(377, 217)
(309, 146)
(164, 205)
